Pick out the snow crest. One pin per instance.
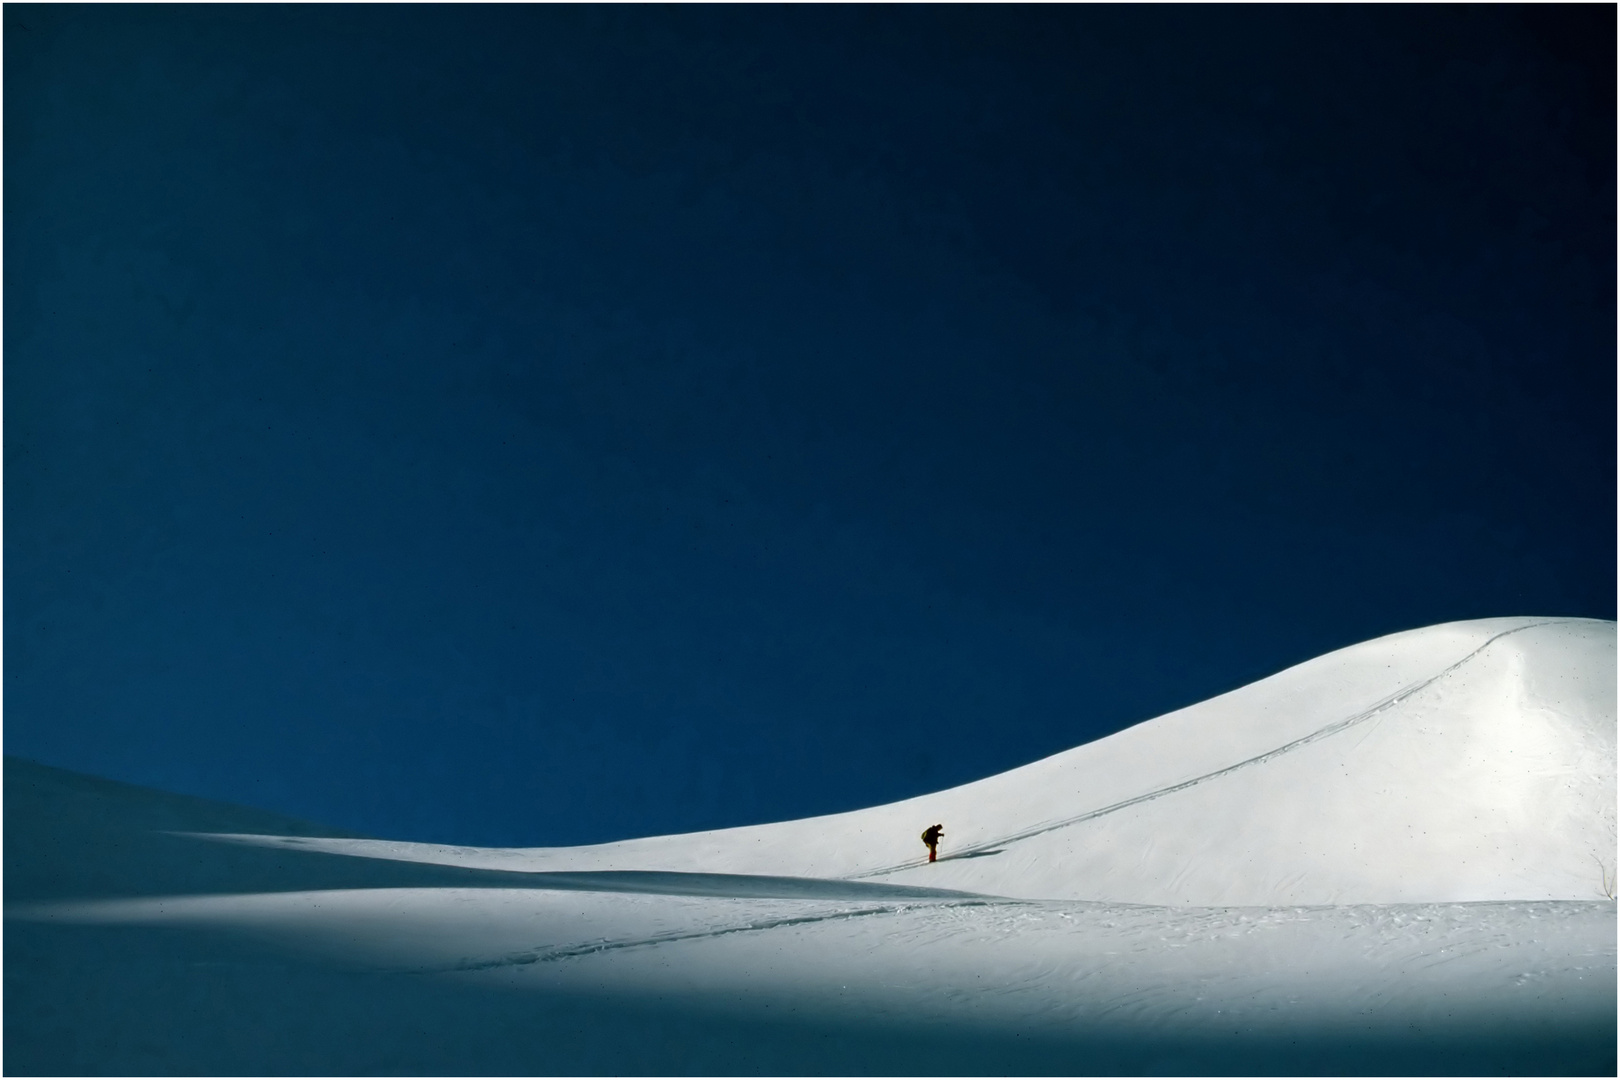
(1472, 761)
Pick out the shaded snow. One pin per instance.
(1389, 859)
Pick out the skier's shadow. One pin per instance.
(972, 854)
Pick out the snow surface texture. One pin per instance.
(1393, 858)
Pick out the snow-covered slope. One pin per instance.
(1468, 761)
(1393, 858)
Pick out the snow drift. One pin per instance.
(1469, 761)
(1393, 858)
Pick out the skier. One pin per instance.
(931, 837)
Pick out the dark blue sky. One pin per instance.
(549, 425)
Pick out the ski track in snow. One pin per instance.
(1134, 928)
(989, 847)
(595, 948)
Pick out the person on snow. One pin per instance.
(931, 837)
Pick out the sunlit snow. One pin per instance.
(1396, 857)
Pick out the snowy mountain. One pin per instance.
(1396, 857)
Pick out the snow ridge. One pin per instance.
(990, 846)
